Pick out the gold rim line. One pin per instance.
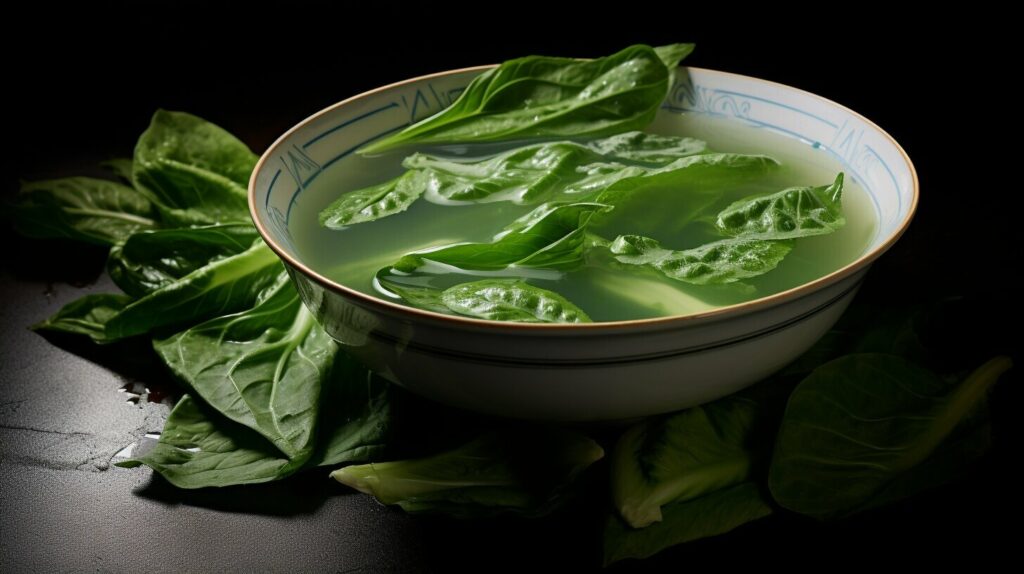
(737, 309)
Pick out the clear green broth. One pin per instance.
(352, 256)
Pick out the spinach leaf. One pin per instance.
(522, 471)
(356, 415)
(145, 262)
(374, 202)
(686, 176)
(539, 96)
(417, 295)
(724, 261)
(223, 286)
(194, 171)
(524, 175)
(683, 456)
(82, 208)
(511, 300)
(87, 315)
(263, 367)
(859, 423)
(709, 515)
(787, 214)
(550, 236)
(199, 448)
(647, 148)
(121, 167)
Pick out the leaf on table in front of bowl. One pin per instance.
(263, 367)
(686, 455)
(863, 422)
(522, 471)
(199, 448)
(709, 515)
(545, 97)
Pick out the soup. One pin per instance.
(606, 284)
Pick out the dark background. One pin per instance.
(81, 84)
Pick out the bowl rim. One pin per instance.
(735, 310)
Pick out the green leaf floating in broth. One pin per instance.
(82, 208)
(147, 261)
(710, 515)
(511, 300)
(523, 471)
(194, 171)
(539, 96)
(683, 456)
(263, 367)
(724, 261)
(863, 422)
(527, 174)
(550, 236)
(374, 202)
(87, 315)
(787, 214)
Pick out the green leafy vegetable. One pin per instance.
(709, 515)
(374, 202)
(145, 262)
(87, 315)
(724, 261)
(263, 367)
(787, 214)
(222, 286)
(522, 471)
(683, 456)
(547, 97)
(550, 236)
(511, 300)
(859, 423)
(199, 448)
(82, 208)
(194, 171)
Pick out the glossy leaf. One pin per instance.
(524, 175)
(522, 472)
(861, 422)
(195, 172)
(511, 300)
(550, 236)
(724, 261)
(375, 202)
(82, 208)
(683, 456)
(199, 448)
(87, 315)
(538, 96)
(263, 367)
(223, 286)
(145, 262)
(709, 515)
(356, 415)
(787, 214)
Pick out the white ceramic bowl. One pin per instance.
(598, 371)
